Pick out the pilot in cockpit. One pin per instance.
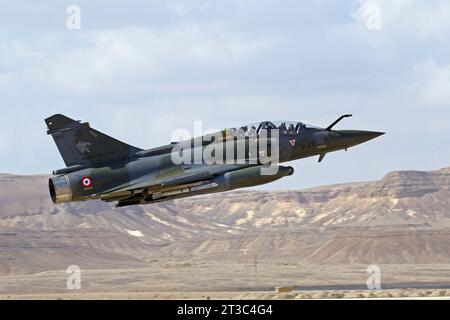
(291, 129)
(301, 127)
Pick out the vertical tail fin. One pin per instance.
(78, 143)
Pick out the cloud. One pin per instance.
(15, 57)
(433, 82)
(14, 53)
(138, 70)
(188, 7)
(139, 56)
(389, 10)
(430, 19)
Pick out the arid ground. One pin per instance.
(319, 242)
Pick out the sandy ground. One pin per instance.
(425, 294)
(200, 279)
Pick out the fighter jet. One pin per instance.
(99, 167)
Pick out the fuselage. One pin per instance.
(230, 159)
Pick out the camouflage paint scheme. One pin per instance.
(101, 167)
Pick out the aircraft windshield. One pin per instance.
(285, 127)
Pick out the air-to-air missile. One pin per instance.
(101, 167)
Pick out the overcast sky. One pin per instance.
(137, 70)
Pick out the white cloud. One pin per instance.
(186, 7)
(15, 53)
(434, 82)
(421, 19)
(140, 69)
(390, 10)
(431, 21)
(141, 55)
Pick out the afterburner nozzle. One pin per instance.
(60, 190)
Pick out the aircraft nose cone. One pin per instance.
(355, 137)
(364, 136)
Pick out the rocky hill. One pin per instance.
(403, 218)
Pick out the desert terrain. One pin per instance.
(243, 244)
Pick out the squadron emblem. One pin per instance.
(83, 147)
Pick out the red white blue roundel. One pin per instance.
(86, 182)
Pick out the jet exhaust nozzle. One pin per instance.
(291, 171)
(60, 190)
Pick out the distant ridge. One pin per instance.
(402, 218)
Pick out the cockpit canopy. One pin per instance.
(285, 127)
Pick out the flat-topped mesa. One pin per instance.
(445, 170)
(442, 178)
(401, 184)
